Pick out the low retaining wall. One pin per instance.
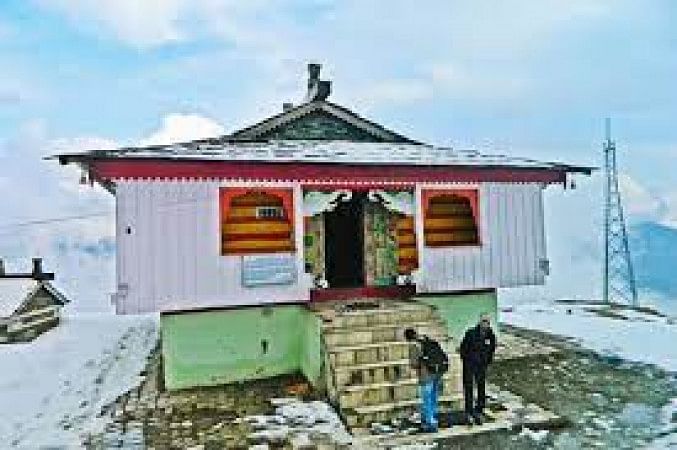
(461, 311)
(213, 347)
(223, 346)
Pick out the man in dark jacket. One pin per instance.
(477, 352)
(429, 383)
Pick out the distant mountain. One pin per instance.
(654, 253)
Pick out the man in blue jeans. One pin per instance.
(429, 383)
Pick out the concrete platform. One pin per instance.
(514, 417)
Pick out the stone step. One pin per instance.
(335, 336)
(404, 381)
(367, 439)
(381, 393)
(378, 372)
(330, 327)
(370, 375)
(439, 336)
(376, 352)
(381, 371)
(381, 316)
(364, 416)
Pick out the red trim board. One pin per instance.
(318, 175)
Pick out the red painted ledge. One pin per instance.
(343, 294)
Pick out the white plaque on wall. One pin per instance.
(264, 270)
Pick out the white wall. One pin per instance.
(512, 242)
(172, 259)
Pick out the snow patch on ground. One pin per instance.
(297, 422)
(534, 435)
(53, 388)
(668, 437)
(417, 446)
(641, 337)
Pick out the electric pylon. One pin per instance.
(619, 276)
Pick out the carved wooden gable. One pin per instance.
(320, 125)
(319, 121)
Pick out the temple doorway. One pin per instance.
(344, 243)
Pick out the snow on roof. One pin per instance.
(13, 293)
(337, 152)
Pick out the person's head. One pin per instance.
(410, 334)
(485, 321)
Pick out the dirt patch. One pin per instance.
(149, 417)
(610, 403)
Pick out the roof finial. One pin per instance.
(318, 90)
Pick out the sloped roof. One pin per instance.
(322, 152)
(16, 292)
(263, 129)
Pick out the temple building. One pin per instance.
(247, 242)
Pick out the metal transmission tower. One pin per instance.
(619, 276)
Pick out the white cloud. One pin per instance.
(77, 249)
(395, 91)
(141, 24)
(458, 81)
(669, 211)
(152, 23)
(44, 191)
(638, 203)
(183, 128)
(15, 87)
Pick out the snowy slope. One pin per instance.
(52, 388)
(641, 338)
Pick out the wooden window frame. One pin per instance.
(285, 195)
(471, 194)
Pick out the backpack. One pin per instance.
(433, 357)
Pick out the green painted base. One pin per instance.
(462, 311)
(208, 348)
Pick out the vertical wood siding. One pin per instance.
(512, 242)
(244, 232)
(171, 259)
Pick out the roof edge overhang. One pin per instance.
(107, 171)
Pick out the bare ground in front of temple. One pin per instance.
(609, 403)
(150, 417)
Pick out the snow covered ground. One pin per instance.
(52, 389)
(641, 337)
(630, 335)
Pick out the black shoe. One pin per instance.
(426, 429)
(467, 420)
(446, 421)
(479, 418)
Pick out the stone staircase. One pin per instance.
(367, 359)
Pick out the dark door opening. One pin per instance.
(344, 237)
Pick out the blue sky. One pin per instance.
(521, 77)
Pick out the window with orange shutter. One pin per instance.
(256, 221)
(450, 219)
